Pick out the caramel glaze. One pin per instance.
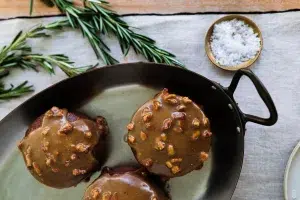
(170, 135)
(120, 185)
(59, 148)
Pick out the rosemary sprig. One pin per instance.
(107, 21)
(79, 18)
(14, 92)
(18, 54)
(60, 60)
(95, 17)
(47, 62)
(19, 43)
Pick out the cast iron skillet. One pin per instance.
(227, 120)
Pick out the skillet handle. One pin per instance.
(263, 93)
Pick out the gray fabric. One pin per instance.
(266, 148)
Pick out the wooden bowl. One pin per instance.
(208, 47)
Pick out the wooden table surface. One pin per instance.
(14, 8)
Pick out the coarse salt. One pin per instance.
(234, 42)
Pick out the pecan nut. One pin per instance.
(167, 124)
(178, 115)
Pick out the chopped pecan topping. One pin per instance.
(95, 193)
(171, 150)
(148, 162)
(73, 156)
(67, 163)
(51, 157)
(181, 107)
(206, 134)
(28, 157)
(159, 145)
(77, 172)
(55, 109)
(145, 110)
(176, 160)
(205, 121)
(146, 114)
(147, 125)
(169, 164)
(163, 137)
(156, 105)
(172, 101)
(143, 136)
(178, 115)
(180, 123)
(49, 113)
(203, 156)
(196, 135)
(45, 146)
(166, 124)
(131, 139)
(28, 150)
(165, 91)
(147, 117)
(28, 160)
(88, 134)
(186, 100)
(175, 169)
(66, 128)
(82, 148)
(196, 123)
(57, 112)
(130, 126)
(178, 129)
(45, 130)
(48, 162)
(106, 195)
(170, 98)
(55, 170)
(36, 168)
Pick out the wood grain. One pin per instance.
(13, 8)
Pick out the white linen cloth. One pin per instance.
(266, 148)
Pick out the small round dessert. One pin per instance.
(124, 184)
(170, 135)
(60, 148)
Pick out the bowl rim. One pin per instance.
(243, 65)
(287, 170)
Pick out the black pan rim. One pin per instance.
(137, 64)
